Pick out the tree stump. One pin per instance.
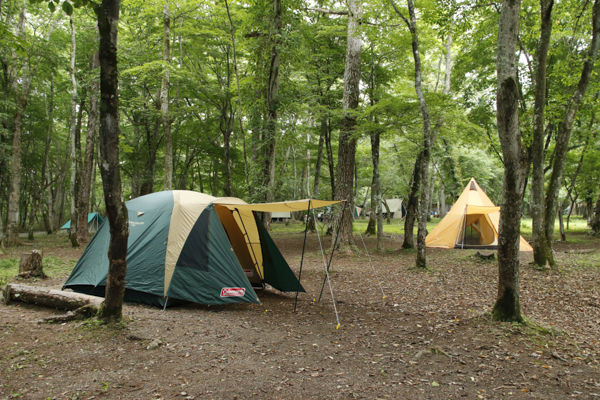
(32, 265)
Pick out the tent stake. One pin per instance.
(302, 259)
(333, 250)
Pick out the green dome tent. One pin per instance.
(191, 247)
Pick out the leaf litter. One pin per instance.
(430, 337)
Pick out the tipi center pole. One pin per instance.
(333, 250)
(303, 248)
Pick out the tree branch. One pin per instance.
(401, 15)
(326, 11)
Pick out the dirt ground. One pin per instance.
(430, 337)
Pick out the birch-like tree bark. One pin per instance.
(563, 133)
(239, 91)
(47, 213)
(421, 260)
(270, 131)
(347, 138)
(508, 307)
(540, 251)
(74, 191)
(319, 165)
(412, 204)
(21, 98)
(12, 222)
(118, 218)
(88, 162)
(164, 99)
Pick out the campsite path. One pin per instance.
(431, 337)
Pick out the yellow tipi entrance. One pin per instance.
(471, 223)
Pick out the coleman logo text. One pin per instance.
(233, 292)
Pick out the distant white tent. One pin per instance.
(281, 215)
(357, 211)
(397, 208)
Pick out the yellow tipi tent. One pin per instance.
(471, 223)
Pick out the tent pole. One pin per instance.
(464, 232)
(333, 250)
(166, 301)
(251, 247)
(303, 248)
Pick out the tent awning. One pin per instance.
(481, 209)
(296, 205)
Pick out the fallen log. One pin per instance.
(48, 297)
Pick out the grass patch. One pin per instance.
(57, 267)
(54, 267)
(9, 268)
(577, 224)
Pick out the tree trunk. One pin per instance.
(1, 231)
(12, 222)
(379, 201)
(239, 91)
(563, 134)
(164, 99)
(421, 261)
(563, 236)
(572, 206)
(35, 202)
(595, 220)
(88, 163)
(375, 185)
(108, 20)
(59, 192)
(508, 307)
(316, 184)
(75, 147)
(46, 181)
(537, 147)
(412, 205)
(330, 161)
(347, 138)
(431, 189)
(228, 187)
(442, 210)
(270, 131)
